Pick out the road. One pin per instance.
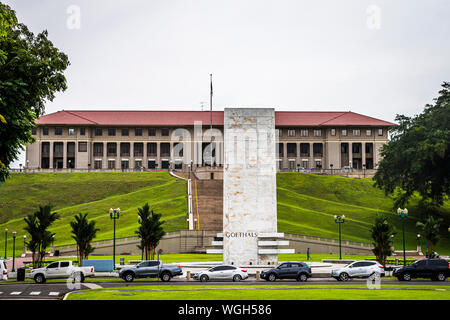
(56, 291)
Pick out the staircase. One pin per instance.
(209, 194)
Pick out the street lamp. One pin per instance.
(403, 213)
(14, 251)
(142, 245)
(6, 241)
(114, 214)
(339, 220)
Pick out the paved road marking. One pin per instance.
(53, 294)
(92, 286)
(15, 293)
(35, 293)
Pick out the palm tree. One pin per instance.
(83, 232)
(40, 238)
(430, 230)
(381, 233)
(150, 231)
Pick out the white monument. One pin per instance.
(249, 189)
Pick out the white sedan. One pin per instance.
(221, 273)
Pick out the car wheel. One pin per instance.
(237, 278)
(441, 276)
(39, 278)
(302, 277)
(128, 277)
(204, 278)
(344, 276)
(165, 276)
(272, 277)
(406, 276)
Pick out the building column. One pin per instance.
(144, 155)
(350, 154)
(363, 155)
(312, 163)
(171, 156)
(158, 155)
(131, 159)
(64, 154)
(51, 155)
(105, 155)
(285, 157)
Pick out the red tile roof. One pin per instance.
(183, 118)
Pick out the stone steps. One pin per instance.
(210, 204)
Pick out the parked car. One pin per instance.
(151, 269)
(299, 271)
(435, 269)
(358, 269)
(223, 272)
(3, 270)
(61, 270)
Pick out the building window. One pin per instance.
(291, 133)
(380, 132)
(138, 132)
(45, 131)
(58, 131)
(33, 131)
(138, 163)
(278, 132)
(58, 147)
(355, 148)
(82, 146)
(304, 132)
(165, 149)
(344, 132)
(111, 132)
(71, 132)
(368, 132)
(138, 149)
(317, 133)
(125, 132)
(165, 132)
(112, 149)
(152, 132)
(98, 131)
(333, 132)
(356, 132)
(151, 149)
(98, 149)
(111, 164)
(97, 164)
(125, 149)
(82, 131)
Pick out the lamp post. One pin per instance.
(364, 169)
(14, 251)
(339, 220)
(6, 241)
(403, 213)
(393, 247)
(142, 245)
(24, 246)
(419, 249)
(114, 214)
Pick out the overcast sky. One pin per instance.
(378, 58)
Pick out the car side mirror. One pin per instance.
(350, 266)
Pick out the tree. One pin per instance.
(150, 231)
(430, 230)
(382, 232)
(31, 72)
(83, 231)
(417, 158)
(37, 225)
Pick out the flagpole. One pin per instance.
(210, 124)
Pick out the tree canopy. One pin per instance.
(417, 158)
(31, 72)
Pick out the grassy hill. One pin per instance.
(306, 204)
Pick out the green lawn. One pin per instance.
(263, 292)
(92, 193)
(306, 204)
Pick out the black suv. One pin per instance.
(435, 269)
(299, 271)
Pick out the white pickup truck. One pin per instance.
(61, 270)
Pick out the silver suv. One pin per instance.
(358, 269)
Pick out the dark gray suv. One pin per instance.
(299, 271)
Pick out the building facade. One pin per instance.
(162, 140)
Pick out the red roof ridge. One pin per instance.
(76, 115)
(332, 118)
(363, 115)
